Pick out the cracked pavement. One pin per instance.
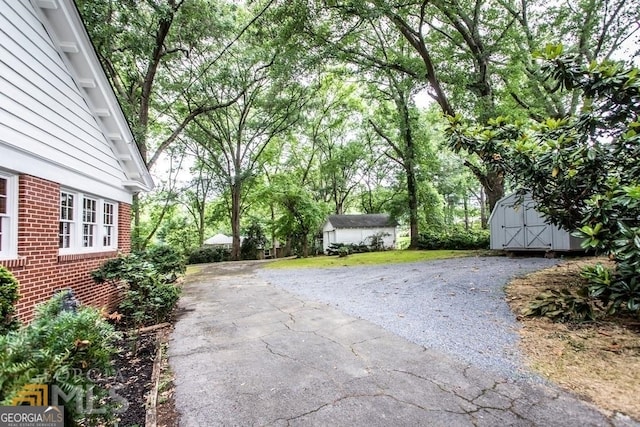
(246, 353)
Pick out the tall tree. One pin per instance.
(235, 138)
(153, 52)
(142, 45)
(401, 144)
(195, 197)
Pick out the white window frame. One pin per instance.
(109, 227)
(78, 242)
(89, 222)
(69, 219)
(9, 237)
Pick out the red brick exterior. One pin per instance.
(40, 270)
(124, 233)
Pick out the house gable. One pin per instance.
(60, 119)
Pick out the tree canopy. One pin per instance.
(275, 113)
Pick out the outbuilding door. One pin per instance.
(524, 227)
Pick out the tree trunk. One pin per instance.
(412, 190)
(274, 250)
(305, 246)
(483, 209)
(466, 213)
(494, 188)
(201, 225)
(287, 247)
(492, 183)
(236, 189)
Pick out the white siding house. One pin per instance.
(59, 117)
(519, 226)
(356, 229)
(69, 166)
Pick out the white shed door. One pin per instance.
(537, 233)
(512, 228)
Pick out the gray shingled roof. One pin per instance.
(362, 221)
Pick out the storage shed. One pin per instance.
(516, 225)
(356, 229)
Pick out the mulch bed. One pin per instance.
(134, 364)
(132, 379)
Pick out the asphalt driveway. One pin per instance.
(456, 306)
(248, 352)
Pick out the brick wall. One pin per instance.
(124, 228)
(39, 268)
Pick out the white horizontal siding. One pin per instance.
(363, 235)
(43, 113)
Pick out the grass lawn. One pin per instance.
(371, 258)
(193, 269)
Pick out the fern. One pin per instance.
(53, 349)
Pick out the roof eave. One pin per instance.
(69, 35)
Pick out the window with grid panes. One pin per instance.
(108, 214)
(66, 234)
(87, 223)
(8, 216)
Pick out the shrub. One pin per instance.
(206, 255)
(129, 269)
(58, 348)
(167, 261)
(377, 241)
(161, 260)
(8, 297)
(344, 249)
(149, 296)
(148, 302)
(562, 305)
(617, 292)
(454, 238)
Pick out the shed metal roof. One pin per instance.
(362, 221)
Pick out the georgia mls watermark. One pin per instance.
(45, 403)
(31, 416)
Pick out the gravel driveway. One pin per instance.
(456, 306)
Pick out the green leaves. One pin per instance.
(8, 298)
(150, 295)
(60, 347)
(562, 305)
(550, 52)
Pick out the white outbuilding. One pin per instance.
(220, 241)
(356, 229)
(517, 225)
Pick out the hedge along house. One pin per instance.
(356, 229)
(68, 164)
